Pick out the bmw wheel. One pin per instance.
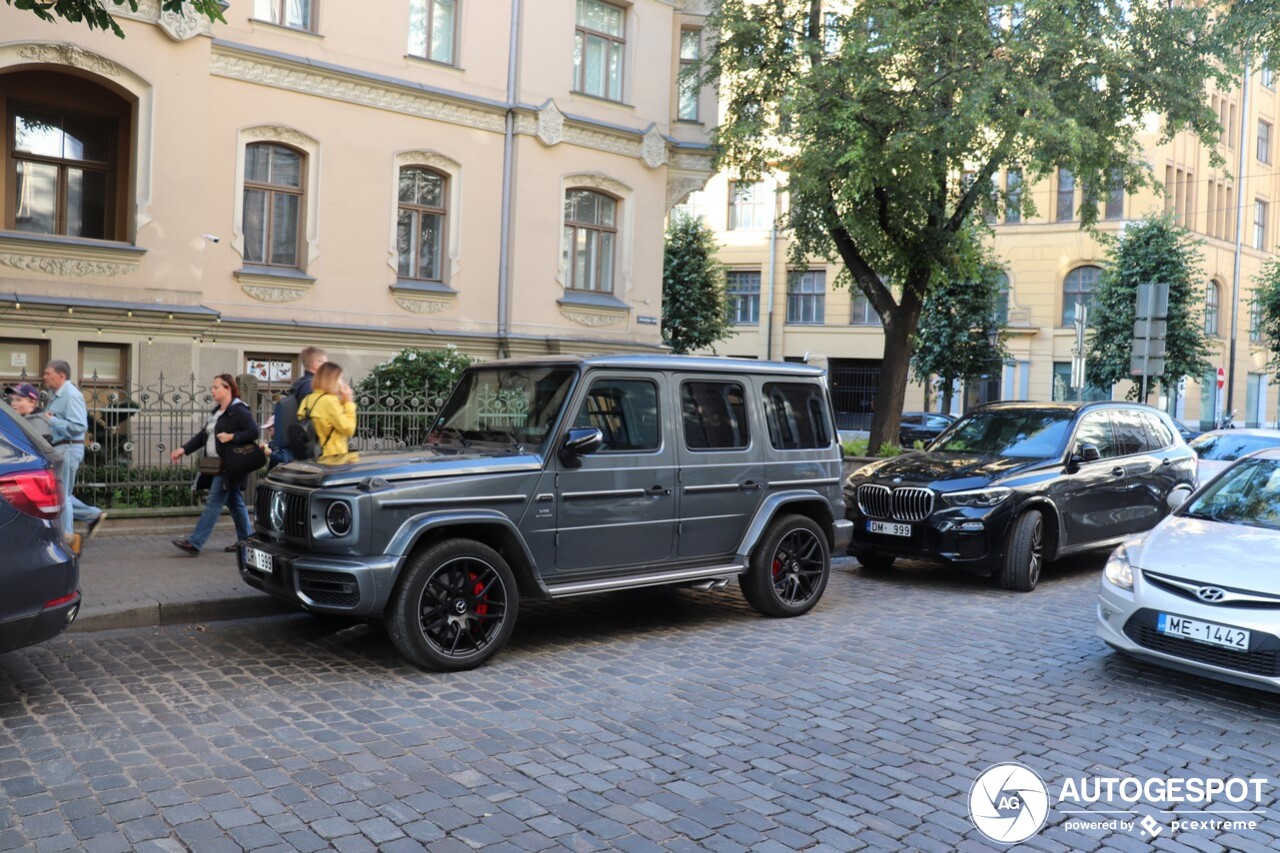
(789, 568)
(1024, 553)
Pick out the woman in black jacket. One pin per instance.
(230, 424)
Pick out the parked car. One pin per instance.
(1219, 448)
(1200, 592)
(550, 478)
(1185, 431)
(39, 574)
(1012, 486)
(922, 426)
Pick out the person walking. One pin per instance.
(68, 424)
(229, 425)
(331, 408)
(285, 413)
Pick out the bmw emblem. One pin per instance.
(1211, 594)
(277, 510)
(897, 479)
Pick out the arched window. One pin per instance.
(420, 223)
(1078, 287)
(1212, 299)
(590, 231)
(273, 204)
(68, 138)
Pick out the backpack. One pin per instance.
(302, 438)
(285, 415)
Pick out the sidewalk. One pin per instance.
(133, 578)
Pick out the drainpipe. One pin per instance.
(773, 254)
(1240, 208)
(508, 178)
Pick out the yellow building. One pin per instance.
(200, 198)
(1050, 264)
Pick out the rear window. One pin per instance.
(1227, 447)
(797, 415)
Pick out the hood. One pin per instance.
(403, 465)
(946, 471)
(1210, 551)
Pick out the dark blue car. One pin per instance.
(39, 574)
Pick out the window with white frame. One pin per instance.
(590, 234)
(1264, 141)
(273, 204)
(742, 287)
(599, 49)
(1013, 196)
(863, 312)
(1078, 288)
(806, 297)
(1212, 298)
(1066, 209)
(690, 51)
(432, 25)
(747, 209)
(420, 224)
(1259, 224)
(1255, 320)
(295, 14)
(1002, 300)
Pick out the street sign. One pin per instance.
(1149, 329)
(1153, 301)
(1222, 378)
(1144, 366)
(1148, 348)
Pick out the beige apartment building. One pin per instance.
(197, 198)
(1050, 265)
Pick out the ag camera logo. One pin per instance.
(1008, 803)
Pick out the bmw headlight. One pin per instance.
(981, 498)
(1118, 571)
(338, 518)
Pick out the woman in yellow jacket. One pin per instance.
(331, 409)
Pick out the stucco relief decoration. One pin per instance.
(653, 149)
(550, 124)
(183, 25)
(276, 133)
(602, 141)
(67, 267)
(422, 306)
(70, 54)
(592, 319)
(679, 188)
(264, 293)
(430, 159)
(599, 182)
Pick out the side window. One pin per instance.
(935, 422)
(797, 415)
(1131, 435)
(1159, 433)
(1095, 429)
(626, 411)
(715, 415)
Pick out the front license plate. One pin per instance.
(888, 528)
(1203, 632)
(260, 560)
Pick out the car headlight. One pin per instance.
(338, 518)
(983, 498)
(1119, 571)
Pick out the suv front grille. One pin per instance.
(296, 524)
(905, 504)
(1255, 662)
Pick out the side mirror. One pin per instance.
(579, 442)
(1177, 498)
(1088, 453)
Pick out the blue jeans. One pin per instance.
(220, 496)
(75, 509)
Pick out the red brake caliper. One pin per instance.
(481, 609)
(777, 567)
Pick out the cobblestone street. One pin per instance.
(659, 719)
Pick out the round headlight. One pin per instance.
(338, 518)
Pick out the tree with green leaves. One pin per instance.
(1151, 251)
(429, 373)
(694, 311)
(892, 120)
(959, 336)
(97, 13)
(1266, 298)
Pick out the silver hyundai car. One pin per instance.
(1200, 591)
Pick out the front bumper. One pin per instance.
(842, 535)
(1127, 621)
(355, 586)
(966, 538)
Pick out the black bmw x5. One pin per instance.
(1012, 486)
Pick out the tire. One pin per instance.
(789, 568)
(455, 606)
(875, 564)
(1024, 553)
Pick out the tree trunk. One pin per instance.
(899, 327)
(948, 389)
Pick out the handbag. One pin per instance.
(211, 465)
(243, 460)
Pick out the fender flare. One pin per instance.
(769, 510)
(1045, 504)
(414, 527)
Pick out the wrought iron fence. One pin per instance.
(133, 429)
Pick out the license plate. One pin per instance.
(888, 528)
(1203, 632)
(260, 560)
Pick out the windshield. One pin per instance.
(1022, 433)
(1247, 493)
(1228, 447)
(512, 407)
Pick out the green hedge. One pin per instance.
(129, 486)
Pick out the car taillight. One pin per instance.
(32, 493)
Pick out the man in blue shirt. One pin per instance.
(68, 424)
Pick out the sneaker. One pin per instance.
(184, 545)
(93, 526)
(232, 548)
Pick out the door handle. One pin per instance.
(1165, 463)
(1117, 471)
(658, 491)
(750, 486)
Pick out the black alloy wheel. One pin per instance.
(789, 568)
(1024, 555)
